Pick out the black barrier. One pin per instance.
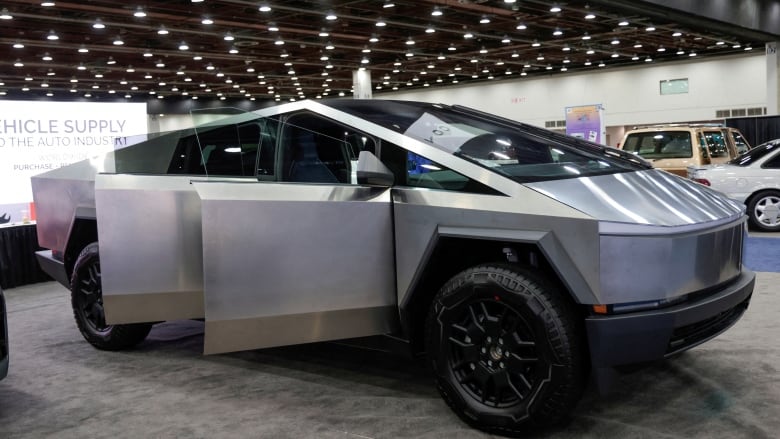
(18, 265)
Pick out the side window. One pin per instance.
(318, 150)
(414, 170)
(773, 163)
(717, 143)
(229, 150)
(740, 142)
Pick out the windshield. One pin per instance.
(756, 153)
(518, 151)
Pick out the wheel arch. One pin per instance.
(82, 233)
(456, 250)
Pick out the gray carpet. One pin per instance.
(60, 387)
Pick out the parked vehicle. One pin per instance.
(515, 258)
(675, 147)
(752, 178)
(4, 356)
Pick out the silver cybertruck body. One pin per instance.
(516, 258)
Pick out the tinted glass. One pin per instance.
(229, 150)
(756, 153)
(521, 152)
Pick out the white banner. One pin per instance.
(37, 136)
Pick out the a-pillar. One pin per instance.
(361, 84)
(772, 79)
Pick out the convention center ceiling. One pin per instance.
(287, 50)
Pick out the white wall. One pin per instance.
(630, 95)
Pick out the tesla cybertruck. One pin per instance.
(517, 260)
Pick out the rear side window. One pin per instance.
(716, 142)
(660, 144)
(742, 145)
(229, 150)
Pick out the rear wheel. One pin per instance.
(764, 211)
(87, 300)
(505, 349)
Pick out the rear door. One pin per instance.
(302, 254)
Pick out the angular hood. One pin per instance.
(651, 197)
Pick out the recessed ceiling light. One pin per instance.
(197, 57)
(329, 46)
(159, 64)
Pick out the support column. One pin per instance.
(772, 79)
(361, 84)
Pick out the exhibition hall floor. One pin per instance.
(60, 387)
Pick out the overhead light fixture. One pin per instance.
(139, 13)
(648, 59)
(650, 28)
(162, 31)
(430, 30)
(747, 48)
(521, 26)
(441, 57)
(468, 35)
(736, 46)
(380, 23)
(601, 64)
(557, 32)
(118, 42)
(197, 57)
(228, 37)
(536, 44)
(207, 20)
(331, 16)
(52, 36)
(677, 34)
(272, 27)
(98, 24)
(279, 42)
(364, 60)
(680, 52)
(623, 23)
(159, 64)
(637, 45)
(635, 58)
(452, 48)
(329, 46)
(83, 49)
(436, 12)
(365, 50)
(18, 63)
(388, 5)
(661, 49)
(18, 46)
(587, 62)
(323, 34)
(373, 39)
(46, 57)
(130, 69)
(590, 52)
(233, 50)
(410, 42)
(720, 43)
(590, 16)
(585, 36)
(615, 55)
(47, 4)
(555, 8)
(614, 42)
(484, 20)
(5, 15)
(264, 7)
(183, 46)
(506, 39)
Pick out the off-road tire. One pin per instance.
(506, 349)
(87, 300)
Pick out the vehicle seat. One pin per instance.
(306, 165)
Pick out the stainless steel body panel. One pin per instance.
(295, 263)
(646, 268)
(651, 197)
(421, 215)
(149, 229)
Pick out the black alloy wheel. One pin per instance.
(506, 349)
(86, 288)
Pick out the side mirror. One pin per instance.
(371, 171)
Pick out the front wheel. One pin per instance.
(87, 300)
(764, 211)
(505, 349)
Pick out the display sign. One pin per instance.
(586, 122)
(37, 136)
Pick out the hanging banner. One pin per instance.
(37, 136)
(586, 122)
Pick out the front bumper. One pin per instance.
(652, 335)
